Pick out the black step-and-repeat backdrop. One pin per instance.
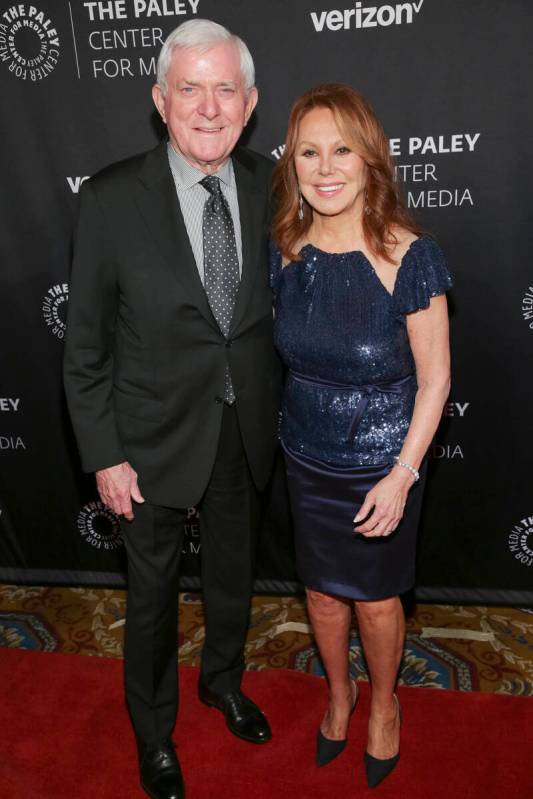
(451, 82)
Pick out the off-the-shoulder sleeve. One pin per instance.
(275, 267)
(423, 274)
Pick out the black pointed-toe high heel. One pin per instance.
(378, 768)
(328, 749)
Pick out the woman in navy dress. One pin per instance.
(361, 324)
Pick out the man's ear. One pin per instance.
(251, 102)
(159, 101)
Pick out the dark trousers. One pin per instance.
(229, 513)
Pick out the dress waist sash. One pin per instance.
(394, 387)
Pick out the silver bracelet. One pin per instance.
(412, 469)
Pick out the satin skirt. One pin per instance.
(330, 556)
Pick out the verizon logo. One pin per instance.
(75, 183)
(366, 16)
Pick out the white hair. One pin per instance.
(203, 35)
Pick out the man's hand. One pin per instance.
(117, 486)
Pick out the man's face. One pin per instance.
(206, 105)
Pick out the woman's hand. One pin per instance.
(387, 498)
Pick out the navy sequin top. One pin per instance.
(351, 381)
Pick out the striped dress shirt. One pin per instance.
(192, 197)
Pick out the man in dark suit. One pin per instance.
(171, 377)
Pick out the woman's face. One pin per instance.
(331, 175)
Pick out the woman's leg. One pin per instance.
(331, 618)
(382, 630)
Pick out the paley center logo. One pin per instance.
(365, 16)
(29, 42)
(53, 308)
(443, 450)
(521, 541)
(9, 404)
(12, 442)
(99, 526)
(527, 307)
(191, 541)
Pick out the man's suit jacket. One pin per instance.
(144, 357)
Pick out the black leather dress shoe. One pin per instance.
(243, 717)
(160, 770)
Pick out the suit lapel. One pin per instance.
(158, 203)
(250, 213)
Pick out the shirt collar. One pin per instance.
(187, 176)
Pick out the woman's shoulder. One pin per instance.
(422, 245)
(403, 239)
(406, 243)
(423, 272)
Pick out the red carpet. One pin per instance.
(65, 734)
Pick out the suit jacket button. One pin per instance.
(219, 400)
(229, 343)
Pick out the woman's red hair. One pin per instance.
(363, 131)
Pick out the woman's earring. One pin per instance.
(301, 207)
(367, 208)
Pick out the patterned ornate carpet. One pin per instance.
(465, 648)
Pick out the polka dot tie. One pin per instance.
(221, 263)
